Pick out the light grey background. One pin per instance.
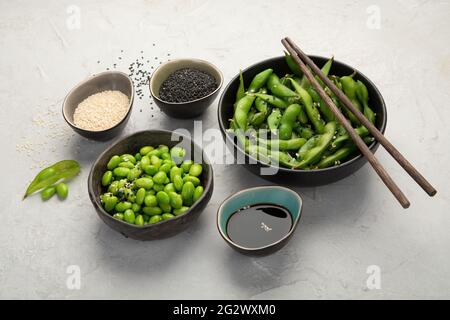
(346, 227)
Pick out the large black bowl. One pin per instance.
(290, 176)
(131, 144)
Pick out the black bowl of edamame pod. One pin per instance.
(134, 144)
(315, 151)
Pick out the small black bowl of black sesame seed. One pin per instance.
(185, 88)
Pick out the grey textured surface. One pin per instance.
(346, 226)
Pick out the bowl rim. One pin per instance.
(295, 222)
(97, 205)
(156, 97)
(287, 170)
(81, 83)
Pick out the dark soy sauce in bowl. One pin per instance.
(259, 225)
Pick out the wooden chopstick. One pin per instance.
(398, 194)
(404, 163)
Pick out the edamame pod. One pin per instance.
(311, 110)
(287, 121)
(260, 80)
(322, 142)
(241, 113)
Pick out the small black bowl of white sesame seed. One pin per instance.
(99, 107)
(185, 88)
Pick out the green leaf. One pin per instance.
(62, 170)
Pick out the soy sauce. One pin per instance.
(259, 225)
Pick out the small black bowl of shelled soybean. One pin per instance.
(185, 88)
(151, 185)
(259, 221)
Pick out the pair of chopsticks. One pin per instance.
(301, 58)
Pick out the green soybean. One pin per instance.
(187, 193)
(165, 167)
(158, 187)
(155, 219)
(107, 178)
(129, 216)
(140, 195)
(175, 171)
(195, 170)
(177, 154)
(186, 165)
(47, 193)
(139, 221)
(145, 150)
(176, 200)
(169, 188)
(118, 216)
(135, 207)
(197, 193)
(62, 190)
(160, 177)
(110, 203)
(121, 172)
(128, 158)
(178, 183)
(194, 180)
(134, 174)
(146, 183)
(162, 197)
(122, 206)
(167, 216)
(126, 164)
(113, 162)
(150, 201)
(152, 211)
(151, 170)
(180, 211)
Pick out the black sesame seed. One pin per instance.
(186, 85)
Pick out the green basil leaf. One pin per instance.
(62, 170)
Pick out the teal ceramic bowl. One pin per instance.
(276, 195)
